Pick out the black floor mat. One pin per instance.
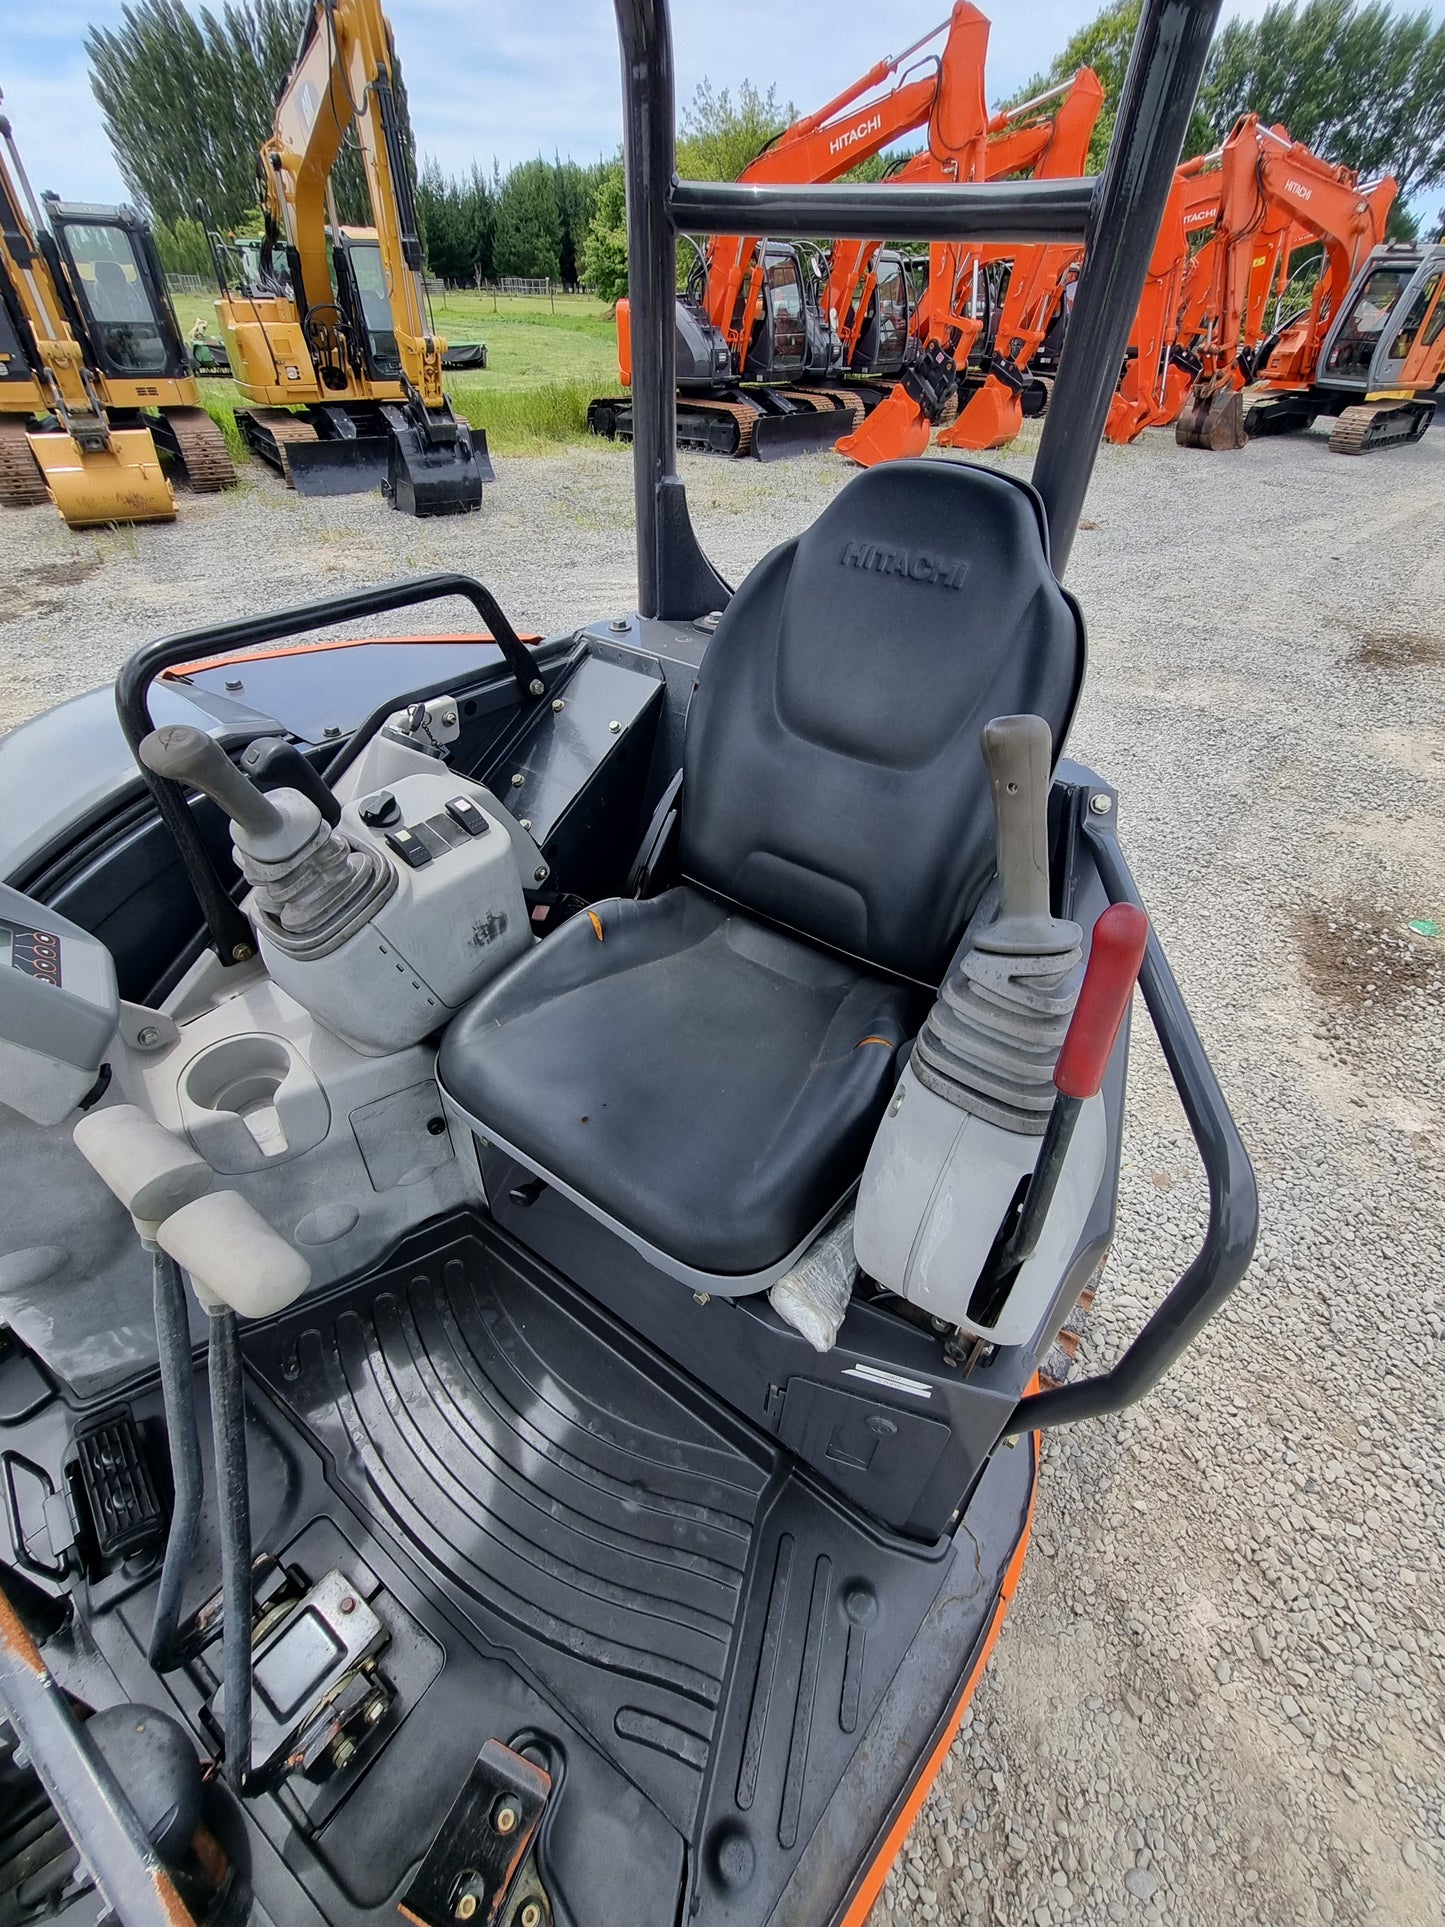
(734, 1673)
(550, 1481)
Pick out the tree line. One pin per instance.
(531, 221)
(1358, 82)
(1361, 85)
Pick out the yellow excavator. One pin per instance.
(326, 326)
(95, 378)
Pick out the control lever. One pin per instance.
(153, 1174)
(308, 877)
(1018, 751)
(272, 763)
(1117, 951)
(236, 1262)
(188, 755)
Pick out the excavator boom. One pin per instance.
(1018, 140)
(1275, 194)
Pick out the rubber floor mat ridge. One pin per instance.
(546, 1477)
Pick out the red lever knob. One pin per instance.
(1117, 951)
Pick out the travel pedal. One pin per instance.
(480, 1869)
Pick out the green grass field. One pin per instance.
(545, 361)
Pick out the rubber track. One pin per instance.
(736, 411)
(279, 427)
(22, 486)
(1354, 431)
(841, 399)
(201, 449)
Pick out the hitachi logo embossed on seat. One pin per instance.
(937, 570)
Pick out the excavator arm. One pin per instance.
(1157, 376)
(994, 413)
(824, 145)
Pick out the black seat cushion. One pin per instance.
(834, 780)
(709, 1082)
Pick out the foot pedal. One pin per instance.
(127, 1520)
(479, 1869)
(316, 1693)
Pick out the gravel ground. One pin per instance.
(1219, 1695)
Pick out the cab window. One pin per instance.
(1410, 327)
(128, 336)
(1365, 320)
(370, 278)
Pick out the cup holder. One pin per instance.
(249, 1101)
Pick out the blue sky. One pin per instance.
(510, 79)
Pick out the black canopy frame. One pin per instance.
(1116, 216)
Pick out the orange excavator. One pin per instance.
(1047, 137)
(1376, 362)
(759, 357)
(1275, 194)
(1160, 371)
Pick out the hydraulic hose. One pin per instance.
(228, 1425)
(178, 1390)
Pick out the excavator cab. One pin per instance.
(360, 278)
(885, 342)
(105, 263)
(1394, 310)
(1380, 362)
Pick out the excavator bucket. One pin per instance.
(120, 483)
(1215, 422)
(896, 429)
(431, 476)
(1125, 422)
(993, 417)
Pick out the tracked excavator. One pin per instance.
(1274, 193)
(1048, 138)
(545, 1185)
(94, 373)
(763, 345)
(326, 327)
(1380, 362)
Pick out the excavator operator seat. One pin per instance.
(704, 1070)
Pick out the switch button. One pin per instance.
(464, 812)
(409, 847)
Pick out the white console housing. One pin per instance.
(456, 916)
(937, 1187)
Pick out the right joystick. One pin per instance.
(1018, 753)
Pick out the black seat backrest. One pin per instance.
(833, 775)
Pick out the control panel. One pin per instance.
(454, 913)
(58, 1009)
